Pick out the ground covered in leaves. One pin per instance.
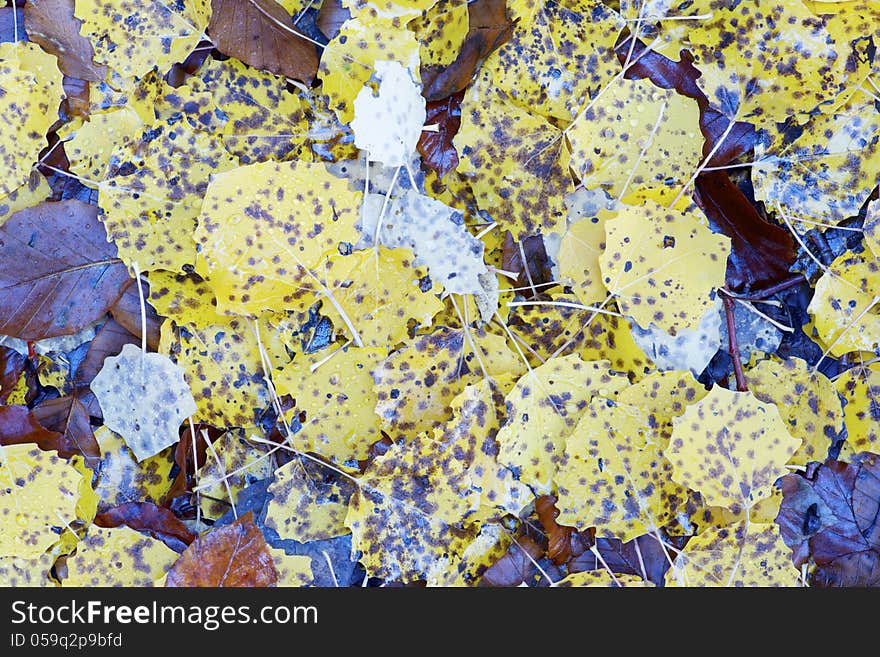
(407, 292)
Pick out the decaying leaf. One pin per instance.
(860, 389)
(118, 557)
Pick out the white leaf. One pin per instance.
(434, 232)
(387, 125)
(144, 398)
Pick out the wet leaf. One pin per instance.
(860, 389)
(147, 518)
(118, 557)
(436, 147)
(52, 25)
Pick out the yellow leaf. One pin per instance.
(808, 404)
(123, 479)
(612, 475)
(30, 92)
(293, 570)
(603, 578)
(304, 506)
(416, 384)
(53, 370)
(490, 545)
(38, 498)
(543, 408)
(347, 61)
(827, 172)
(731, 448)
(22, 572)
(133, 36)
(334, 389)
(753, 63)
(232, 464)
(860, 388)
(30, 193)
(118, 557)
(441, 31)
(265, 227)
(582, 245)
(746, 554)
(559, 56)
(845, 304)
(399, 12)
(515, 161)
(871, 228)
(185, 298)
(91, 144)
(650, 257)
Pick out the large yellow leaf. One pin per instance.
(122, 479)
(397, 11)
(808, 403)
(39, 492)
(651, 256)
(543, 408)
(265, 227)
(582, 244)
(25, 196)
(118, 557)
(636, 136)
(133, 36)
(613, 476)
(30, 91)
(731, 448)
(441, 31)
(603, 578)
(860, 388)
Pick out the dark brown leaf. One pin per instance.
(539, 269)
(188, 462)
(19, 425)
(261, 34)
(761, 253)
(515, 567)
(628, 558)
(127, 313)
(76, 97)
(489, 28)
(147, 518)
(11, 367)
(563, 543)
(331, 16)
(52, 25)
(68, 417)
(59, 272)
(837, 515)
(232, 556)
(436, 148)
(109, 341)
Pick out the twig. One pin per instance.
(733, 346)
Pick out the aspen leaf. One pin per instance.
(29, 194)
(144, 398)
(232, 464)
(731, 448)
(603, 578)
(648, 264)
(293, 570)
(860, 389)
(582, 244)
(371, 11)
(441, 31)
(118, 557)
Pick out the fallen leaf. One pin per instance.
(261, 34)
(603, 578)
(117, 557)
(147, 518)
(127, 313)
(564, 543)
(68, 417)
(50, 287)
(12, 365)
(860, 389)
(331, 17)
(232, 556)
(52, 25)
(435, 146)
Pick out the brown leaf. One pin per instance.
(19, 425)
(331, 16)
(68, 417)
(515, 567)
(186, 460)
(147, 518)
(59, 272)
(642, 556)
(563, 543)
(52, 25)
(489, 28)
(76, 97)
(109, 341)
(837, 515)
(127, 313)
(436, 148)
(261, 34)
(539, 269)
(761, 253)
(230, 556)
(11, 367)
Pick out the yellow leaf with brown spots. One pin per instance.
(543, 408)
(846, 304)
(704, 518)
(827, 172)
(441, 30)
(612, 475)
(30, 92)
(39, 493)
(22, 572)
(265, 228)
(118, 557)
(860, 389)
(122, 479)
(582, 244)
(764, 61)
(870, 229)
(185, 298)
(347, 61)
(746, 554)
(305, 504)
(515, 161)
(731, 448)
(650, 257)
(416, 384)
(603, 578)
(399, 12)
(233, 464)
(89, 145)
(333, 388)
(222, 365)
(636, 136)
(293, 570)
(560, 55)
(488, 547)
(807, 403)
(27, 195)
(133, 36)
